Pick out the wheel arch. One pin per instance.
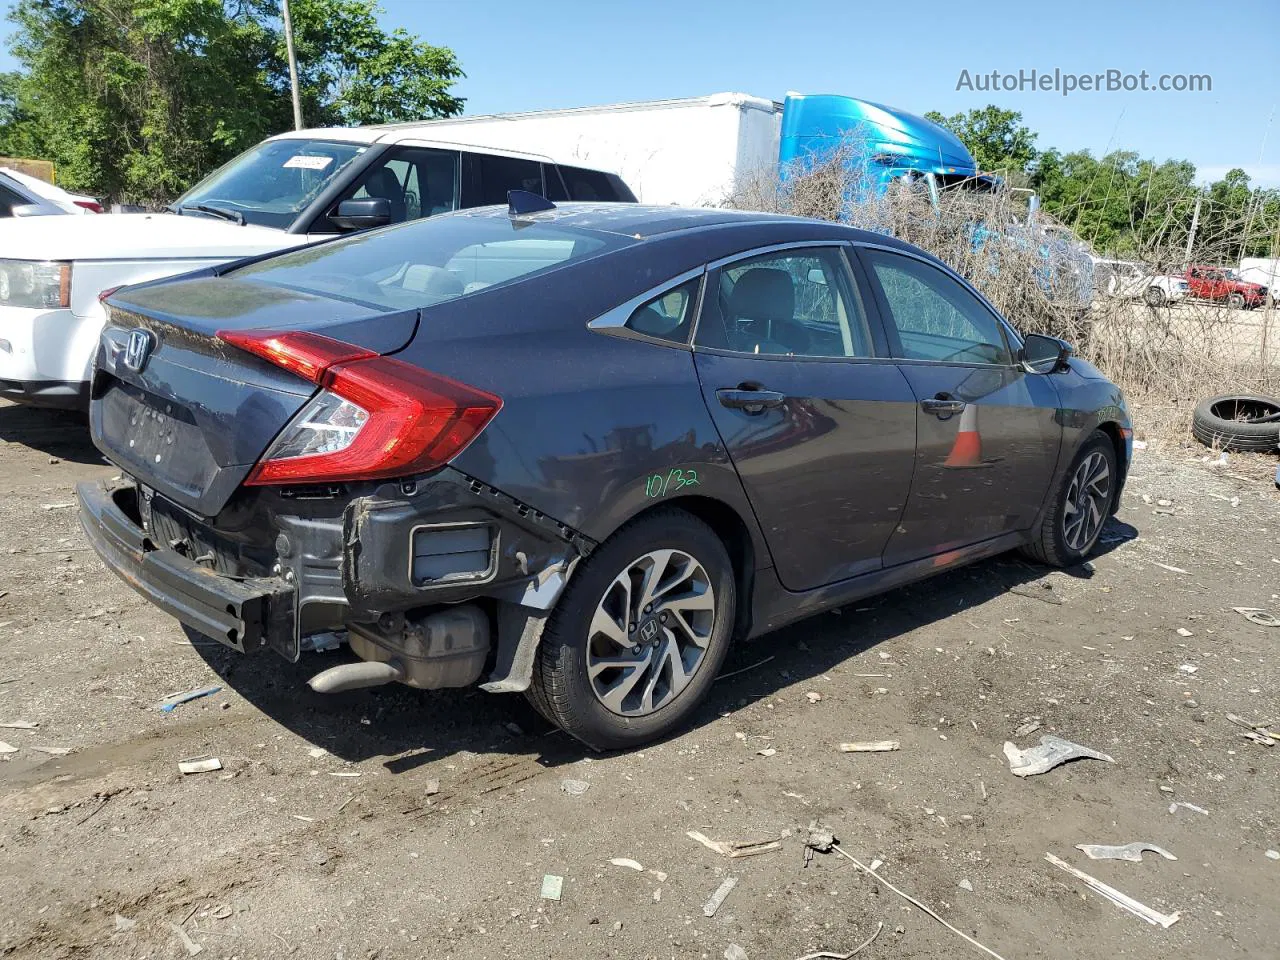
(1116, 433)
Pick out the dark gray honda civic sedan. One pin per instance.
(577, 451)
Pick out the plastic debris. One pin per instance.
(1051, 752)
(19, 725)
(870, 746)
(711, 906)
(431, 788)
(731, 848)
(123, 923)
(1273, 854)
(207, 765)
(813, 696)
(315, 753)
(1184, 632)
(575, 788)
(1173, 807)
(828, 955)
(1129, 851)
(7, 747)
(628, 863)
(766, 752)
(734, 952)
(192, 947)
(53, 751)
(175, 700)
(965, 885)
(552, 887)
(1027, 729)
(1153, 917)
(1257, 615)
(1188, 668)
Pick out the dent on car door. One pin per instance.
(987, 432)
(821, 431)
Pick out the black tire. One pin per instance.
(1235, 301)
(1049, 542)
(1154, 297)
(1223, 422)
(561, 688)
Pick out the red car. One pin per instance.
(1224, 284)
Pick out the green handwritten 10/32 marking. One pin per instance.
(659, 485)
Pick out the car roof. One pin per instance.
(643, 221)
(419, 135)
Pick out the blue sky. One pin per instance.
(561, 53)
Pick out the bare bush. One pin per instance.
(1037, 273)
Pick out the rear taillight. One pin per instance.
(91, 205)
(375, 417)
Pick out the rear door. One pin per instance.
(987, 432)
(820, 426)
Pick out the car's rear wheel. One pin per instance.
(1235, 301)
(640, 634)
(1075, 516)
(1154, 297)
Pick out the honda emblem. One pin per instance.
(137, 350)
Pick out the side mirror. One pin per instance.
(363, 214)
(1041, 354)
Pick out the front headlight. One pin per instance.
(31, 283)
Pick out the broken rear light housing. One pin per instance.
(375, 417)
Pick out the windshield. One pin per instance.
(272, 183)
(425, 262)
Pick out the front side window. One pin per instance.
(669, 316)
(271, 184)
(9, 200)
(795, 302)
(415, 182)
(935, 316)
(428, 261)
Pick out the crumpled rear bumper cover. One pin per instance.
(245, 614)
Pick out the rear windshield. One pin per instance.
(426, 262)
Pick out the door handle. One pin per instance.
(942, 407)
(750, 401)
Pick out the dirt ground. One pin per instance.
(321, 836)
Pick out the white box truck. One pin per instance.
(687, 151)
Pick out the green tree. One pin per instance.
(137, 99)
(997, 138)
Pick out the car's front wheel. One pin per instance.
(640, 633)
(1154, 297)
(1078, 510)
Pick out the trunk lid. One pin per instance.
(193, 418)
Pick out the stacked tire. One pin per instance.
(1238, 422)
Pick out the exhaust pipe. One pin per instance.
(355, 676)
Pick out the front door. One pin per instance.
(821, 431)
(987, 432)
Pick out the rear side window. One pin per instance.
(594, 185)
(9, 200)
(669, 316)
(935, 316)
(429, 261)
(555, 186)
(500, 174)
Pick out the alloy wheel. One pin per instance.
(650, 631)
(1088, 498)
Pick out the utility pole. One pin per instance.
(1191, 237)
(293, 64)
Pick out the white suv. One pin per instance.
(293, 189)
(1130, 280)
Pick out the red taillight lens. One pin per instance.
(308, 355)
(414, 422)
(92, 205)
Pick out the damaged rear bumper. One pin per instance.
(245, 614)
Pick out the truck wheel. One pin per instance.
(1235, 301)
(1154, 297)
(636, 641)
(1237, 422)
(1079, 506)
